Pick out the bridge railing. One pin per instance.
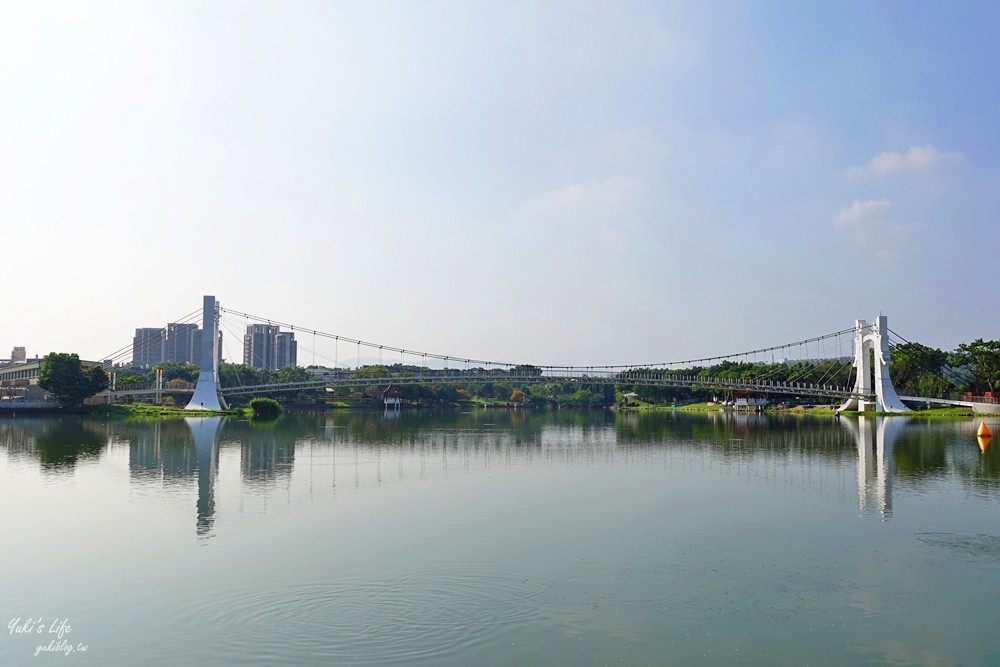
(134, 386)
(987, 400)
(125, 388)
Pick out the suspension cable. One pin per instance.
(129, 351)
(446, 358)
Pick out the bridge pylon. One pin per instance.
(870, 338)
(207, 393)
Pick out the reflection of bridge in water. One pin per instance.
(165, 455)
(371, 451)
(316, 458)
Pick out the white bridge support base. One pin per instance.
(206, 393)
(870, 338)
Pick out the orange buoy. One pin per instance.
(984, 442)
(983, 431)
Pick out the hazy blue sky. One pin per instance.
(546, 182)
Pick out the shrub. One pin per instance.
(265, 408)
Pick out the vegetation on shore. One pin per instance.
(66, 380)
(930, 413)
(710, 406)
(151, 411)
(265, 408)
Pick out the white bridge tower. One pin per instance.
(870, 338)
(206, 392)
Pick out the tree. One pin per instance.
(239, 375)
(67, 441)
(983, 359)
(62, 375)
(917, 368)
(374, 371)
(173, 371)
(293, 374)
(133, 375)
(265, 408)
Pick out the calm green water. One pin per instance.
(498, 538)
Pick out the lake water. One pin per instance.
(499, 538)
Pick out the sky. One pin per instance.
(579, 183)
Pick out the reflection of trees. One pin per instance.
(918, 451)
(61, 442)
(417, 426)
(981, 470)
(737, 435)
(477, 427)
(921, 453)
(925, 452)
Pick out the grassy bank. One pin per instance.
(150, 411)
(932, 413)
(700, 407)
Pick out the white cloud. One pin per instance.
(595, 219)
(860, 215)
(915, 158)
(592, 200)
(871, 227)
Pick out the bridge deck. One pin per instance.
(650, 379)
(629, 379)
(983, 404)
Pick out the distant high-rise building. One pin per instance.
(179, 343)
(147, 346)
(182, 343)
(259, 349)
(17, 356)
(287, 349)
(264, 346)
(218, 343)
(196, 347)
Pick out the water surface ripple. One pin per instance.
(422, 616)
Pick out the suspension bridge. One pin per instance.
(870, 345)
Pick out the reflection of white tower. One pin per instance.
(866, 457)
(875, 437)
(886, 435)
(206, 440)
(206, 393)
(868, 339)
